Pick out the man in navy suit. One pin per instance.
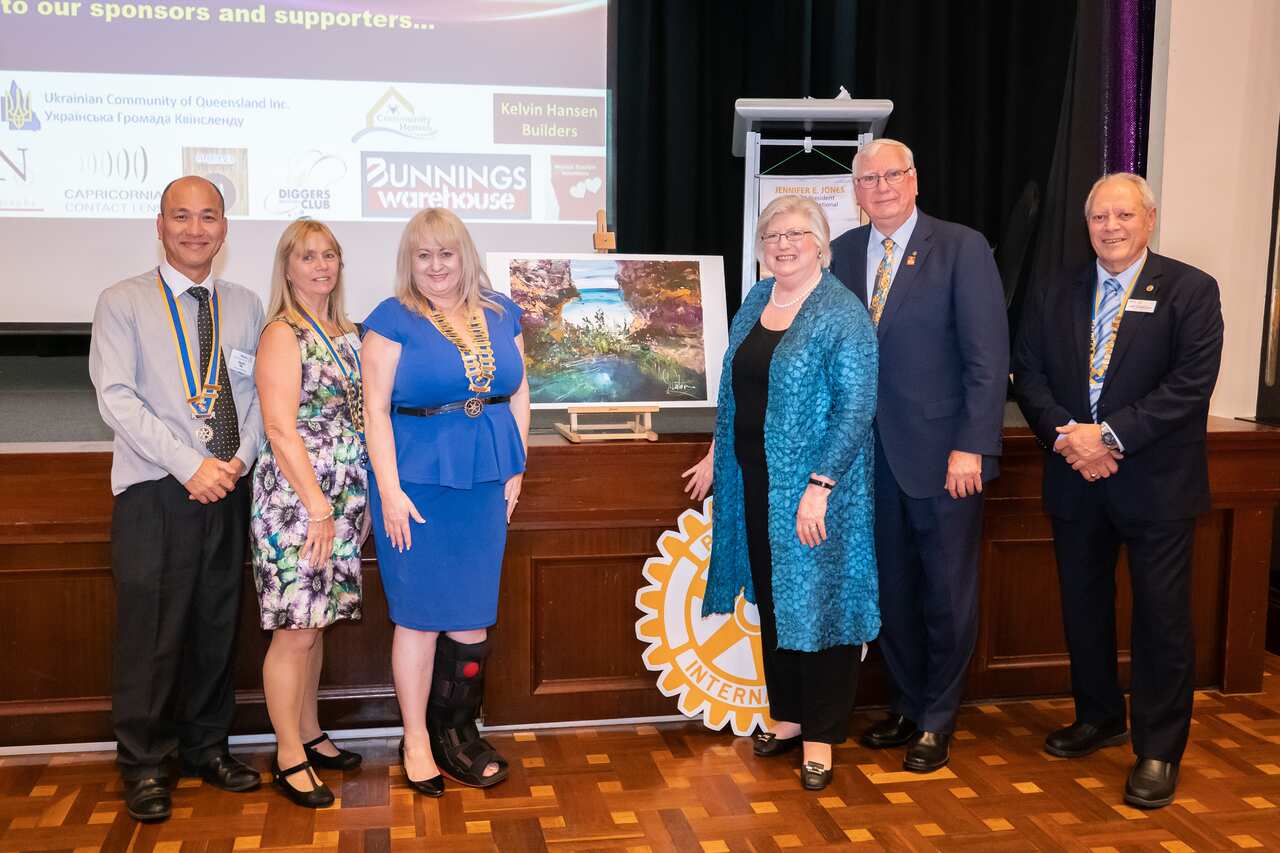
(935, 296)
(1114, 368)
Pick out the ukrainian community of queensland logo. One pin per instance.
(15, 105)
(712, 665)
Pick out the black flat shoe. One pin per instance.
(815, 777)
(317, 798)
(344, 760)
(1151, 783)
(147, 799)
(433, 787)
(768, 744)
(1080, 739)
(225, 771)
(894, 730)
(928, 752)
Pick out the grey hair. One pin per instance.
(1139, 182)
(870, 149)
(796, 204)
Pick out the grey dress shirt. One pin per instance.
(134, 365)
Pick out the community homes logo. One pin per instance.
(394, 114)
(713, 666)
(15, 105)
(397, 184)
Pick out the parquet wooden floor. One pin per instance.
(682, 787)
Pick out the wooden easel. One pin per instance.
(640, 426)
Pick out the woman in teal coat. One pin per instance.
(792, 463)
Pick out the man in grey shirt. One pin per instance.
(171, 358)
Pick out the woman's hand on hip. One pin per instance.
(811, 516)
(397, 510)
(699, 477)
(511, 491)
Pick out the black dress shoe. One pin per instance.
(317, 798)
(344, 760)
(893, 730)
(768, 744)
(147, 799)
(1079, 739)
(815, 777)
(226, 772)
(433, 787)
(928, 752)
(1151, 783)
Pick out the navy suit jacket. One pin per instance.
(944, 351)
(1156, 395)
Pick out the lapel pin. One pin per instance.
(1151, 288)
(911, 259)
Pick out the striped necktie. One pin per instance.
(884, 277)
(1108, 307)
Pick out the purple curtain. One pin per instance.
(1128, 32)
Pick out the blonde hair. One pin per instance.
(443, 226)
(283, 304)
(796, 204)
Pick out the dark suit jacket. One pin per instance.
(944, 351)
(1155, 398)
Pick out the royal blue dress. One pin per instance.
(453, 467)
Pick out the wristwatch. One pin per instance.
(1109, 440)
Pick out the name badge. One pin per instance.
(354, 340)
(1141, 306)
(240, 362)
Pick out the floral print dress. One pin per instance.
(291, 592)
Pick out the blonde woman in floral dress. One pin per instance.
(310, 491)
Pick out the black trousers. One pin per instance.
(1163, 649)
(927, 553)
(177, 566)
(814, 689)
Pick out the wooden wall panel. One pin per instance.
(565, 647)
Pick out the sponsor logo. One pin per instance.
(15, 105)
(525, 119)
(713, 666)
(308, 185)
(477, 186)
(124, 164)
(225, 168)
(16, 194)
(394, 114)
(14, 163)
(577, 185)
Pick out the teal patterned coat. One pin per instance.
(822, 397)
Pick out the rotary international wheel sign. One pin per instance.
(712, 665)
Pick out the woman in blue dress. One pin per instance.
(447, 426)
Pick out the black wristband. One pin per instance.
(814, 481)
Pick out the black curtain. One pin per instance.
(680, 65)
(977, 88)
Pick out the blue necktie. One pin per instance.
(1107, 310)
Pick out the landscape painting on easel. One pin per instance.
(618, 329)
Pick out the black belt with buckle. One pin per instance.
(473, 407)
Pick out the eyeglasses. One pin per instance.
(795, 235)
(893, 176)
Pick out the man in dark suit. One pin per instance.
(1114, 368)
(935, 296)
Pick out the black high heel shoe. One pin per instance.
(433, 787)
(815, 777)
(317, 798)
(344, 760)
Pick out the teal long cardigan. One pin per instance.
(822, 397)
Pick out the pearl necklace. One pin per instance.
(776, 304)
